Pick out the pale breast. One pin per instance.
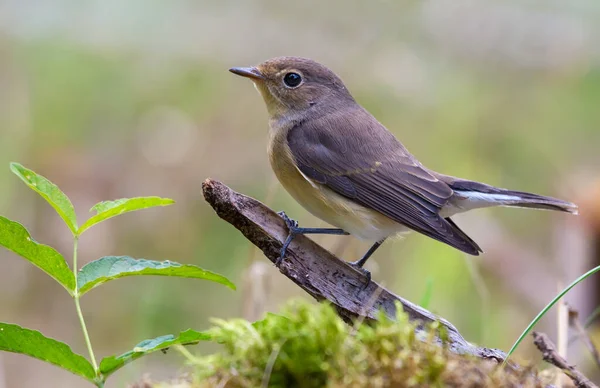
(322, 202)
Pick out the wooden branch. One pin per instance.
(549, 354)
(321, 274)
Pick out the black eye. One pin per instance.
(292, 79)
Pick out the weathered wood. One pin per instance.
(320, 273)
(550, 355)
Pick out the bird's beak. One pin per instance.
(249, 72)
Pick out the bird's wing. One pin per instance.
(364, 162)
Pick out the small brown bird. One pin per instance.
(347, 169)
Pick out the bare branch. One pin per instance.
(321, 274)
(549, 354)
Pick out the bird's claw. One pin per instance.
(280, 258)
(291, 224)
(292, 229)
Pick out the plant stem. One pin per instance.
(85, 333)
(78, 307)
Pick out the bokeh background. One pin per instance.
(113, 99)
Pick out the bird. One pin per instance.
(347, 169)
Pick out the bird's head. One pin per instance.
(292, 85)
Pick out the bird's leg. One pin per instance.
(358, 264)
(294, 230)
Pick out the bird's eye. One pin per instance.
(292, 80)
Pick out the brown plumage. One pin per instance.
(346, 168)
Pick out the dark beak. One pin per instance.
(249, 72)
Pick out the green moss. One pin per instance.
(308, 345)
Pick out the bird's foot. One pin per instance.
(358, 266)
(291, 224)
(292, 231)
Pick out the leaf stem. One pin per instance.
(78, 307)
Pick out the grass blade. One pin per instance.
(426, 298)
(592, 317)
(548, 307)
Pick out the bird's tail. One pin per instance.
(489, 196)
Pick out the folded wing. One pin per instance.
(368, 165)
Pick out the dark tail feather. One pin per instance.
(513, 198)
(473, 248)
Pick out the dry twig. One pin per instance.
(549, 354)
(319, 273)
(581, 333)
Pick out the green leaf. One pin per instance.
(16, 238)
(113, 267)
(16, 339)
(111, 364)
(50, 192)
(109, 209)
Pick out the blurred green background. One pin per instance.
(113, 99)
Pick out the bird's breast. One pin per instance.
(306, 192)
